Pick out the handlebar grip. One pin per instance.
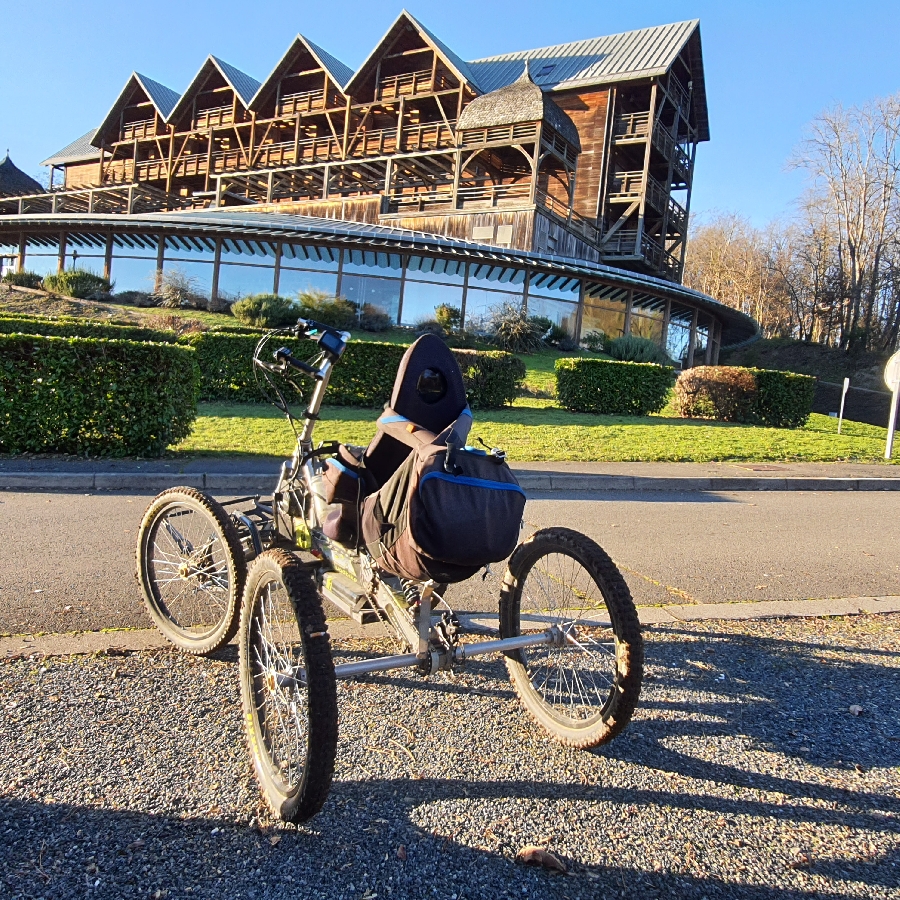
(284, 355)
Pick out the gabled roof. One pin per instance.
(339, 73)
(14, 182)
(455, 63)
(81, 150)
(244, 85)
(521, 101)
(162, 98)
(645, 53)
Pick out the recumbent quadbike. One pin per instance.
(380, 532)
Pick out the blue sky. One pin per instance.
(770, 67)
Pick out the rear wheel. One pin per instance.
(583, 686)
(191, 568)
(288, 688)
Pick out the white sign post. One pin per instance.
(843, 397)
(892, 380)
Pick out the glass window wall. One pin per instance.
(604, 309)
(490, 287)
(556, 298)
(236, 281)
(307, 269)
(381, 293)
(431, 283)
(678, 335)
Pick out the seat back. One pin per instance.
(425, 364)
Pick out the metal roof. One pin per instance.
(162, 97)
(80, 150)
(457, 62)
(340, 72)
(275, 226)
(521, 101)
(642, 53)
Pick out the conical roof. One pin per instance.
(521, 101)
(14, 182)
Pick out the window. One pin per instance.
(604, 309)
(545, 70)
(491, 286)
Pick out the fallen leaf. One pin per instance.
(275, 839)
(136, 845)
(401, 852)
(538, 856)
(856, 710)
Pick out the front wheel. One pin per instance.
(191, 568)
(583, 686)
(288, 688)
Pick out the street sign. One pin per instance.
(892, 372)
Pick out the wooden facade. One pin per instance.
(382, 145)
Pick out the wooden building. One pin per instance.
(583, 150)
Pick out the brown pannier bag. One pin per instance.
(447, 511)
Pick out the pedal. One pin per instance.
(349, 597)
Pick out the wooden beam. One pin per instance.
(646, 172)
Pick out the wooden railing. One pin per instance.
(301, 102)
(126, 198)
(214, 117)
(629, 186)
(574, 222)
(427, 136)
(481, 196)
(624, 243)
(134, 130)
(522, 132)
(631, 127)
(392, 87)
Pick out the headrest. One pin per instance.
(429, 388)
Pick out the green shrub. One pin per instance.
(612, 388)
(493, 378)
(430, 326)
(374, 318)
(23, 279)
(542, 323)
(364, 376)
(725, 393)
(595, 341)
(337, 312)
(512, 330)
(783, 399)
(94, 397)
(631, 348)
(266, 311)
(448, 317)
(753, 396)
(141, 299)
(76, 327)
(78, 283)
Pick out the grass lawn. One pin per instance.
(536, 431)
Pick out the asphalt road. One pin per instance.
(67, 560)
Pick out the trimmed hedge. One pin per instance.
(75, 327)
(753, 396)
(94, 397)
(364, 377)
(783, 399)
(609, 387)
(725, 393)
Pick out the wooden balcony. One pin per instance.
(626, 187)
(393, 87)
(632, 128)
(485, 196)
(214, 117)
(520, 133)
(624, 245)
(301, 102)
(428, 136)
(135, 130)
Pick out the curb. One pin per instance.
(132, 640)
(256, 482)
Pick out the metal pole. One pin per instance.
(843, 397)
(892, 422)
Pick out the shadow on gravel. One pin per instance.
(60, 851)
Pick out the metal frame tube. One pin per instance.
(464, 651)
(383, 664)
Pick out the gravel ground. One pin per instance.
(744, 775)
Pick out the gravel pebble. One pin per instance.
(743, 775)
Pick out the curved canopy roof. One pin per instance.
(240, 225)
(520, 101)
